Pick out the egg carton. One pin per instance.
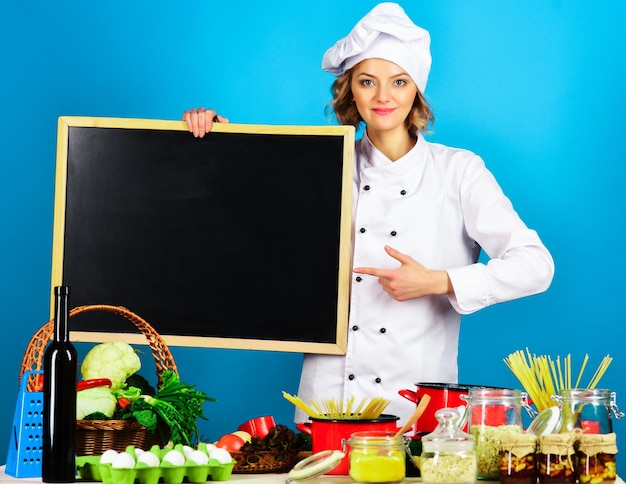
(91, 469)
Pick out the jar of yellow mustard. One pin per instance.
(377, 456)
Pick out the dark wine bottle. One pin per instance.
(60, 367)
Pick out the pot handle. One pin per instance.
(304, 427)
(409, 395)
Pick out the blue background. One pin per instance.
(535, 88)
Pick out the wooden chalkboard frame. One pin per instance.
(336, 139)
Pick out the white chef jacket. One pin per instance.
(440, 205)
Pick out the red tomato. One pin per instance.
(230, 442)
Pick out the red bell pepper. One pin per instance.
(93, 383)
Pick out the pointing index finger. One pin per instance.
(371, 271)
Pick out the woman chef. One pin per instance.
(421, 214)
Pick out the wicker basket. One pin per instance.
(93, 437)
(264, 461)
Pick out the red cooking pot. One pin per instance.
(442, 395)
(327, 434)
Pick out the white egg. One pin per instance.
(221, 455)
(210, 447)
(108, 456)
(138, 452)
(187, 451)
(149, 458)
(174, 457)
(198, 457)
(123, 460)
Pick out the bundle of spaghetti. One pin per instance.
(541, 376)
(367, 409)
(531, 373)
(298, 402)
(333, 409)
(374, 408)
(595, 379)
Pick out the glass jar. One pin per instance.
(448, 455)
(517, 459)
(588, 410)
(595, 457)
(377, 456)
(556, 459)
(493, 412)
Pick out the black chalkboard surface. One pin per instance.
(237, 240)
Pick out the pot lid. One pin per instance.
(451, 386)
(315, 465)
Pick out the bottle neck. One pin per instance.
(61, 314)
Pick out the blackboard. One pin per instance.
(237, 240)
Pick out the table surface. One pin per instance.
(264, 478)
(247, 478)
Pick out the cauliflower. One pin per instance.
(114, 360)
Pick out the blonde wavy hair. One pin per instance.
(420, 118)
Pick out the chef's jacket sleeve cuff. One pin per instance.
(470, 291)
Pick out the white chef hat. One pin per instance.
(386, 32)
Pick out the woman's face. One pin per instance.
(383, 93)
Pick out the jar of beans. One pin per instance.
(517, 459)
(596, 459)
(556, 459)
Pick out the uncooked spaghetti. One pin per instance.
(333, 409)
(541, 376)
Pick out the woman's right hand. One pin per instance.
(200, 120)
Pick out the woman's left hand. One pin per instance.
(409, 281)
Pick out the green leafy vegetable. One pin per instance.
(140, 382)
(131, 393)
(176, 404)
